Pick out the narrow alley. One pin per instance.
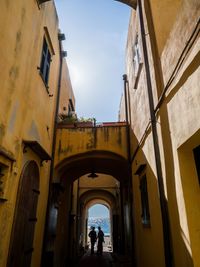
(128, 182)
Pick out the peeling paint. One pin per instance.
(14, 73)
(90, 144)
(18, 42)
(106, 134)
(66, 150)
(119, 139)
(94, 130)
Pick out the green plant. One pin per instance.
(82, 119)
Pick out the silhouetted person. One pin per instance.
(93, 238)
(100, 237)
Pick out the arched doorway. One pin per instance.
(75, 191)
(25, 217)
(99, 215)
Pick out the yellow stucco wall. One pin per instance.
(26, 109)
(101, 190)
(178, 127)
(67, 91)
(103, 181)
(74, 141)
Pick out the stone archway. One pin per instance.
(101, 219)
(91, 198)
(64, 246)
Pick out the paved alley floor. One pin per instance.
(96, 260)
(106, 260)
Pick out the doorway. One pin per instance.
(21, 248)
(99, 215)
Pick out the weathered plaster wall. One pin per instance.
(103, 181)
(23, 99)
(23, 88)
(70, 142)
(178, 127)
(26, 109)
(67, 91)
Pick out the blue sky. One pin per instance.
(96, 32)
(99, 210)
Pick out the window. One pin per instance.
(70, 107)
(137, 62)
(144, 201)
(196, 152)
(45, 62)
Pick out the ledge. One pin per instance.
(7, 154)
(37, 148)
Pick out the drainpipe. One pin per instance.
(77, 218)
(163, 202)
(130, 198)
(125, 97)
(61, 37)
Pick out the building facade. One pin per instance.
(33, 76)
(147, 175)
(163, 105)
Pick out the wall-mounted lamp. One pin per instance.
(61, 36)
(93, 175)
(64, 53)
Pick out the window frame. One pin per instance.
(70, 107)
(45, 62)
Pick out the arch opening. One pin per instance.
(75, 192)
(96, 161)
(99, 215)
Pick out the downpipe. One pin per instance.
(61, 37)
(130, 186)
(163, 202)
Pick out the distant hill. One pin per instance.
(104, 223)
